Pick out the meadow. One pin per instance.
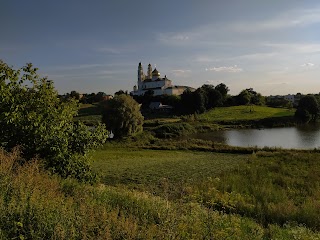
(128, 204)
(154, 170)
(270, 187)
(151, 188)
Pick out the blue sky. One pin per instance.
(91, 46)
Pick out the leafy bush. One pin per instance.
(34, 118)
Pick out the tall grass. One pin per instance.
(36, 205)
(271, 188)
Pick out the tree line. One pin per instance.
(202, 99)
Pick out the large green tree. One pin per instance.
(308, 108)
(33, 117)
(223, 89)
(249, 96)
(244, 97)
(122, 116)
(213, 96)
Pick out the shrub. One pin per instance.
(33, 117)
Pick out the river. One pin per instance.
(300, 137)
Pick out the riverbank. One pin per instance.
(220, 118)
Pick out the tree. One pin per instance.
(213, 97)
(121, 92)
(122, 116)
(223, 89)
(249, 96)
(187, 105)
(244, 97)
(308, 108)
(33, 117)
(75, 95)
(200, 100)
(99, 97)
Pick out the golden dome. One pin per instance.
(155, 72)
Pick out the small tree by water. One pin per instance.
(122, 116)
(308, 109)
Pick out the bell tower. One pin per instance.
(140, 73)
(149, 71)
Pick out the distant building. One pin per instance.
(153, 82)
(289, 97)
(293, 98)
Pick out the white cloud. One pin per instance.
(173, 38)
(307, 65)
(180, 72)
(213, 82)
(230, 69)
(180, 37)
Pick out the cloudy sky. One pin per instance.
(90, 46)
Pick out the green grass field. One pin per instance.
(244, 113)
(271, 188)
(147, 170)
(152, 194)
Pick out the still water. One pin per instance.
(300, 137)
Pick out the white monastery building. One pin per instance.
(152, 81)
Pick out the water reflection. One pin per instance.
(301, 137)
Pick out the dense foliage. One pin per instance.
(308, 108)
(249, 96)
(204, 98)
(33, 117)
(122, 116)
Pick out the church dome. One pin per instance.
(155, 72)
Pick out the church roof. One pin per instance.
(158, 79)
(155, 72)
(181, 87)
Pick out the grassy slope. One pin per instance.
(244, 113)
